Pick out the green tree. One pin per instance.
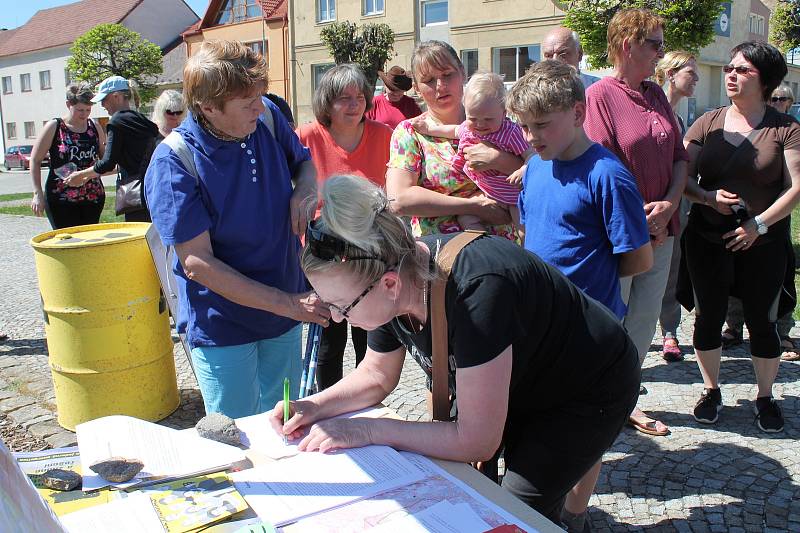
(370, 46)
(689, 24)
(784, 25)
(114, 50)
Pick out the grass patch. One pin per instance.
(15, 196)
(108, 214)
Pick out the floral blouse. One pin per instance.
(431, 159)
(71, 151)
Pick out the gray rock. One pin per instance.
(218, 427)
(58, 479)
(117, 469)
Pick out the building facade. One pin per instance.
(33, 60)
(252, 22)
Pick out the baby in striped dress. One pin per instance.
(484, 106)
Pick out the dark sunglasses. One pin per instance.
(780, 98)
(173, 113)
(740, 69)
(656, 44)
(331, 248)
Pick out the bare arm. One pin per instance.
(101, 139)
(448, 131)
(636, 261)
(661, 211)
(304, 198)
(200, 265)
(788, 199)
(486, 156)
(40, 149)
(412, 199)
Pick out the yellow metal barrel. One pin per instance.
(107, 325)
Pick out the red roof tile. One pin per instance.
(61, 25)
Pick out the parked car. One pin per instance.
(20, 157)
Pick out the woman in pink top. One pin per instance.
(632, 117)
(343, 141)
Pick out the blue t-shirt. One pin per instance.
(242, 200)
(579, 215)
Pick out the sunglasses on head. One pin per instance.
(328, 247)
(173, 113)
(740, 69)
(780, 98)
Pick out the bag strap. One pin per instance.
(440, 388)
(178, 145)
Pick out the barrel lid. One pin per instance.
(91, 235)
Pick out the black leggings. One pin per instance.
(546, 457)
(755, 275)
(142, 215)
(69, 214)
(331, 351)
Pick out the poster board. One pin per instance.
(163, 257)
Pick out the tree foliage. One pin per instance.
(370, 46)
(114, 50)
(784, 25)
(689, 24)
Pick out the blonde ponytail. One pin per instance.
(355, 211)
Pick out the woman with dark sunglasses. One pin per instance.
(533, 361)
(632, 117)
(737, 239)
(168, 112)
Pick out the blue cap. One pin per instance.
(110, 85)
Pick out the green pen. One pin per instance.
(285, 407)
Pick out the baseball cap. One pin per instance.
(108, 86)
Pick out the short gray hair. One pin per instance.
(168, 100)
(333, 83)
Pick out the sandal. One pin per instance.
(790, 352)
(731, 337)
(652, 427)
(672, 352)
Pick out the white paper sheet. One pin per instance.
(258, 435)
(308, 483)
(165, 452)
(443, 517)
(42, 461)
(134, 514)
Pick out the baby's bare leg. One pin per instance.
(470, 222)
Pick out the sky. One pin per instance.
(21, 12)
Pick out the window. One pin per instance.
(326, 10)
(317, 72)
(7, 89)
(373, 7)
(511, 63)
(470, 60)
(30, 130)
(434, 12)
(25, 82)
(234, 11)
(756, 24)
(11, 130)
(67, 77)
(259, 47)
(44, 79)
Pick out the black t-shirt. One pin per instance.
(567, 348)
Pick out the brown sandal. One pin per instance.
(649, 428)
(790, 352)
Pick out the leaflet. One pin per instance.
(312, 482)
(444, 517)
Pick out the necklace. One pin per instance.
(414, 325)
(222, 136)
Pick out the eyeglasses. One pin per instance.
(780, 98)
(740, 69)
(656, 44)
(173, 113)
(344, 311)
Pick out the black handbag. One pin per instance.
(129, 194)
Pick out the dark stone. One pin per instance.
(117, 469)
(58, 479)
(218, 427)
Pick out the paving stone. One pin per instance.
(44, 429)
(16, 402)
(24, 415)
(62, 439)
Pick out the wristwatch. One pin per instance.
(761, 227)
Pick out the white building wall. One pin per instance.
(160, 21)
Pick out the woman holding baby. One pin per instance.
(419, 177)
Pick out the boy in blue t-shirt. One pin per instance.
(580, 207)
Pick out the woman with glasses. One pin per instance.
(632, 117)
(168, 112)
(532, 360)
(343, 141)
(782, 98)
(737, 239)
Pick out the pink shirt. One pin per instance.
(640, 128)
(508, 138)
(393, 113)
